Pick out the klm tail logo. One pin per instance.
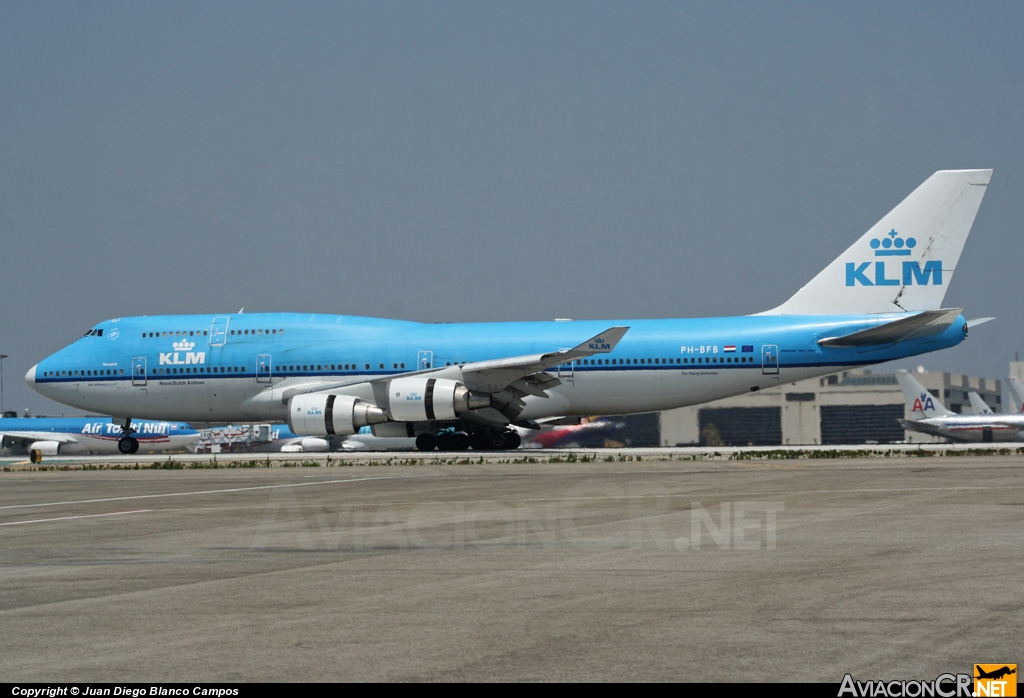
(923, 403)
(894, 246)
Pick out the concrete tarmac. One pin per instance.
(886, 568)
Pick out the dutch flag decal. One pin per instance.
(730, 348)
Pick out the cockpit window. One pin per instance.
(93, 333)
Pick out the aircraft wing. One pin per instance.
(520, 372)
(30, 436)
(922, 324)
(515, 376)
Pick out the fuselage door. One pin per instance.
(424, 359)
(566, 370)
(769, 359)
(263, 367)
(139, 370)
(219, 331)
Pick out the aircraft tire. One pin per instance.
(460, 442)
(512, 441)
(426, 442)
(128, 445)
(480, 441)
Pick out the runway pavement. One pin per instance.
(696, 570)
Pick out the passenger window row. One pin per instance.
(142, 371)
(198, 333)
(317, 367)
(290, 368)
(200, 369)
(192, 333)
(687, 360)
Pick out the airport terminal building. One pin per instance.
(852, 407)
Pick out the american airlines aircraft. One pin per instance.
(930, 416)
(1017, 390)
(455, 386)
(978, 404)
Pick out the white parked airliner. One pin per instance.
(930, 416)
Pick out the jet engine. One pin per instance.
(325, 415)
(45, 448)
(420, 398)
(308, 445)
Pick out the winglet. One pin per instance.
(598, 344)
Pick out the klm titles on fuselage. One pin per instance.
(911, 272)
(173, 358)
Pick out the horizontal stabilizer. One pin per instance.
(907, 327)
(979, 321)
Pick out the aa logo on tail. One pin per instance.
(923, 403)
(995, 680)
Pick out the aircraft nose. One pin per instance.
(30, 377)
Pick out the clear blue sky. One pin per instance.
(472, 161)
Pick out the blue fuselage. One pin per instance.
(238, 367)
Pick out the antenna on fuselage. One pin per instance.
(241, 310)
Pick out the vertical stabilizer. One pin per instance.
(977, 404)
(904, 263)
(921, 403)
(1017, 390)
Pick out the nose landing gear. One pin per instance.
(127, 444)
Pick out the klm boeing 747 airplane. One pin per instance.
(455, 386)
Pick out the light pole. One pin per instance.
(2, 357)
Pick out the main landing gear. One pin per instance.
(127, 444)
(483, 440)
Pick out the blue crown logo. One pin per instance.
(893, 245)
